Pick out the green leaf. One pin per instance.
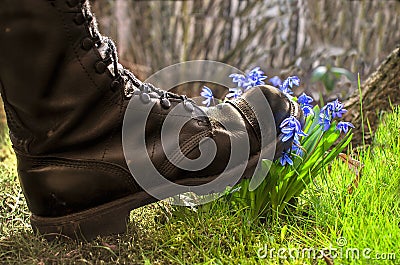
(319, 148)
(329, 81)
(283, 232)
(334, 152)
(342, 71)
(309, 128)
(318, 73)
(310, 141)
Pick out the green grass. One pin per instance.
(327, 215)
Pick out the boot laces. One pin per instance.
(132, 85)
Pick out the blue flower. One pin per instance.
(293, 80)
(307, 110)
(254, 78)
(289, 83)
(329, 112)
(239, 79)
(291, 128)
(325, 118)
(343, 126)
(234, 93)
(304, 99)
(297, 149)
(285, 89)
(285, 159)
(305, 105)
(336, 109)
(208, 95)
(275, 81)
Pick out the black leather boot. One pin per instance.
(65, 97)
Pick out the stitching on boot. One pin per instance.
(72, 45)
(247, 112)
(168, 167)
(116, 127)
(92, 165)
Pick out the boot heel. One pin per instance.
(85, 225)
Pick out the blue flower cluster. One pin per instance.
(207, 94)
(239, 79)
(291, 130)
(290, 127)
(275, 81)
(343, 126)
(234, 93)
(253, 78)
(287, 85)
(331, 111)
(285, 159)
(305, 104)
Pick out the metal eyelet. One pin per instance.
(79, 19)
(100, 67)
(87, 43)
(145, 98)
(188, 106)
(165, 103)
(115, 85)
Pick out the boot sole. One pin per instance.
(109, 218)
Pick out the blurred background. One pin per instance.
(284, 37)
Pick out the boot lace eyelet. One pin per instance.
(79, 19)
(87, 44)
(165, 103)
(123, 78)
(145, 98)
(188, 105)
(115, 84)
(100, 67)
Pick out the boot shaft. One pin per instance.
(53, 78)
